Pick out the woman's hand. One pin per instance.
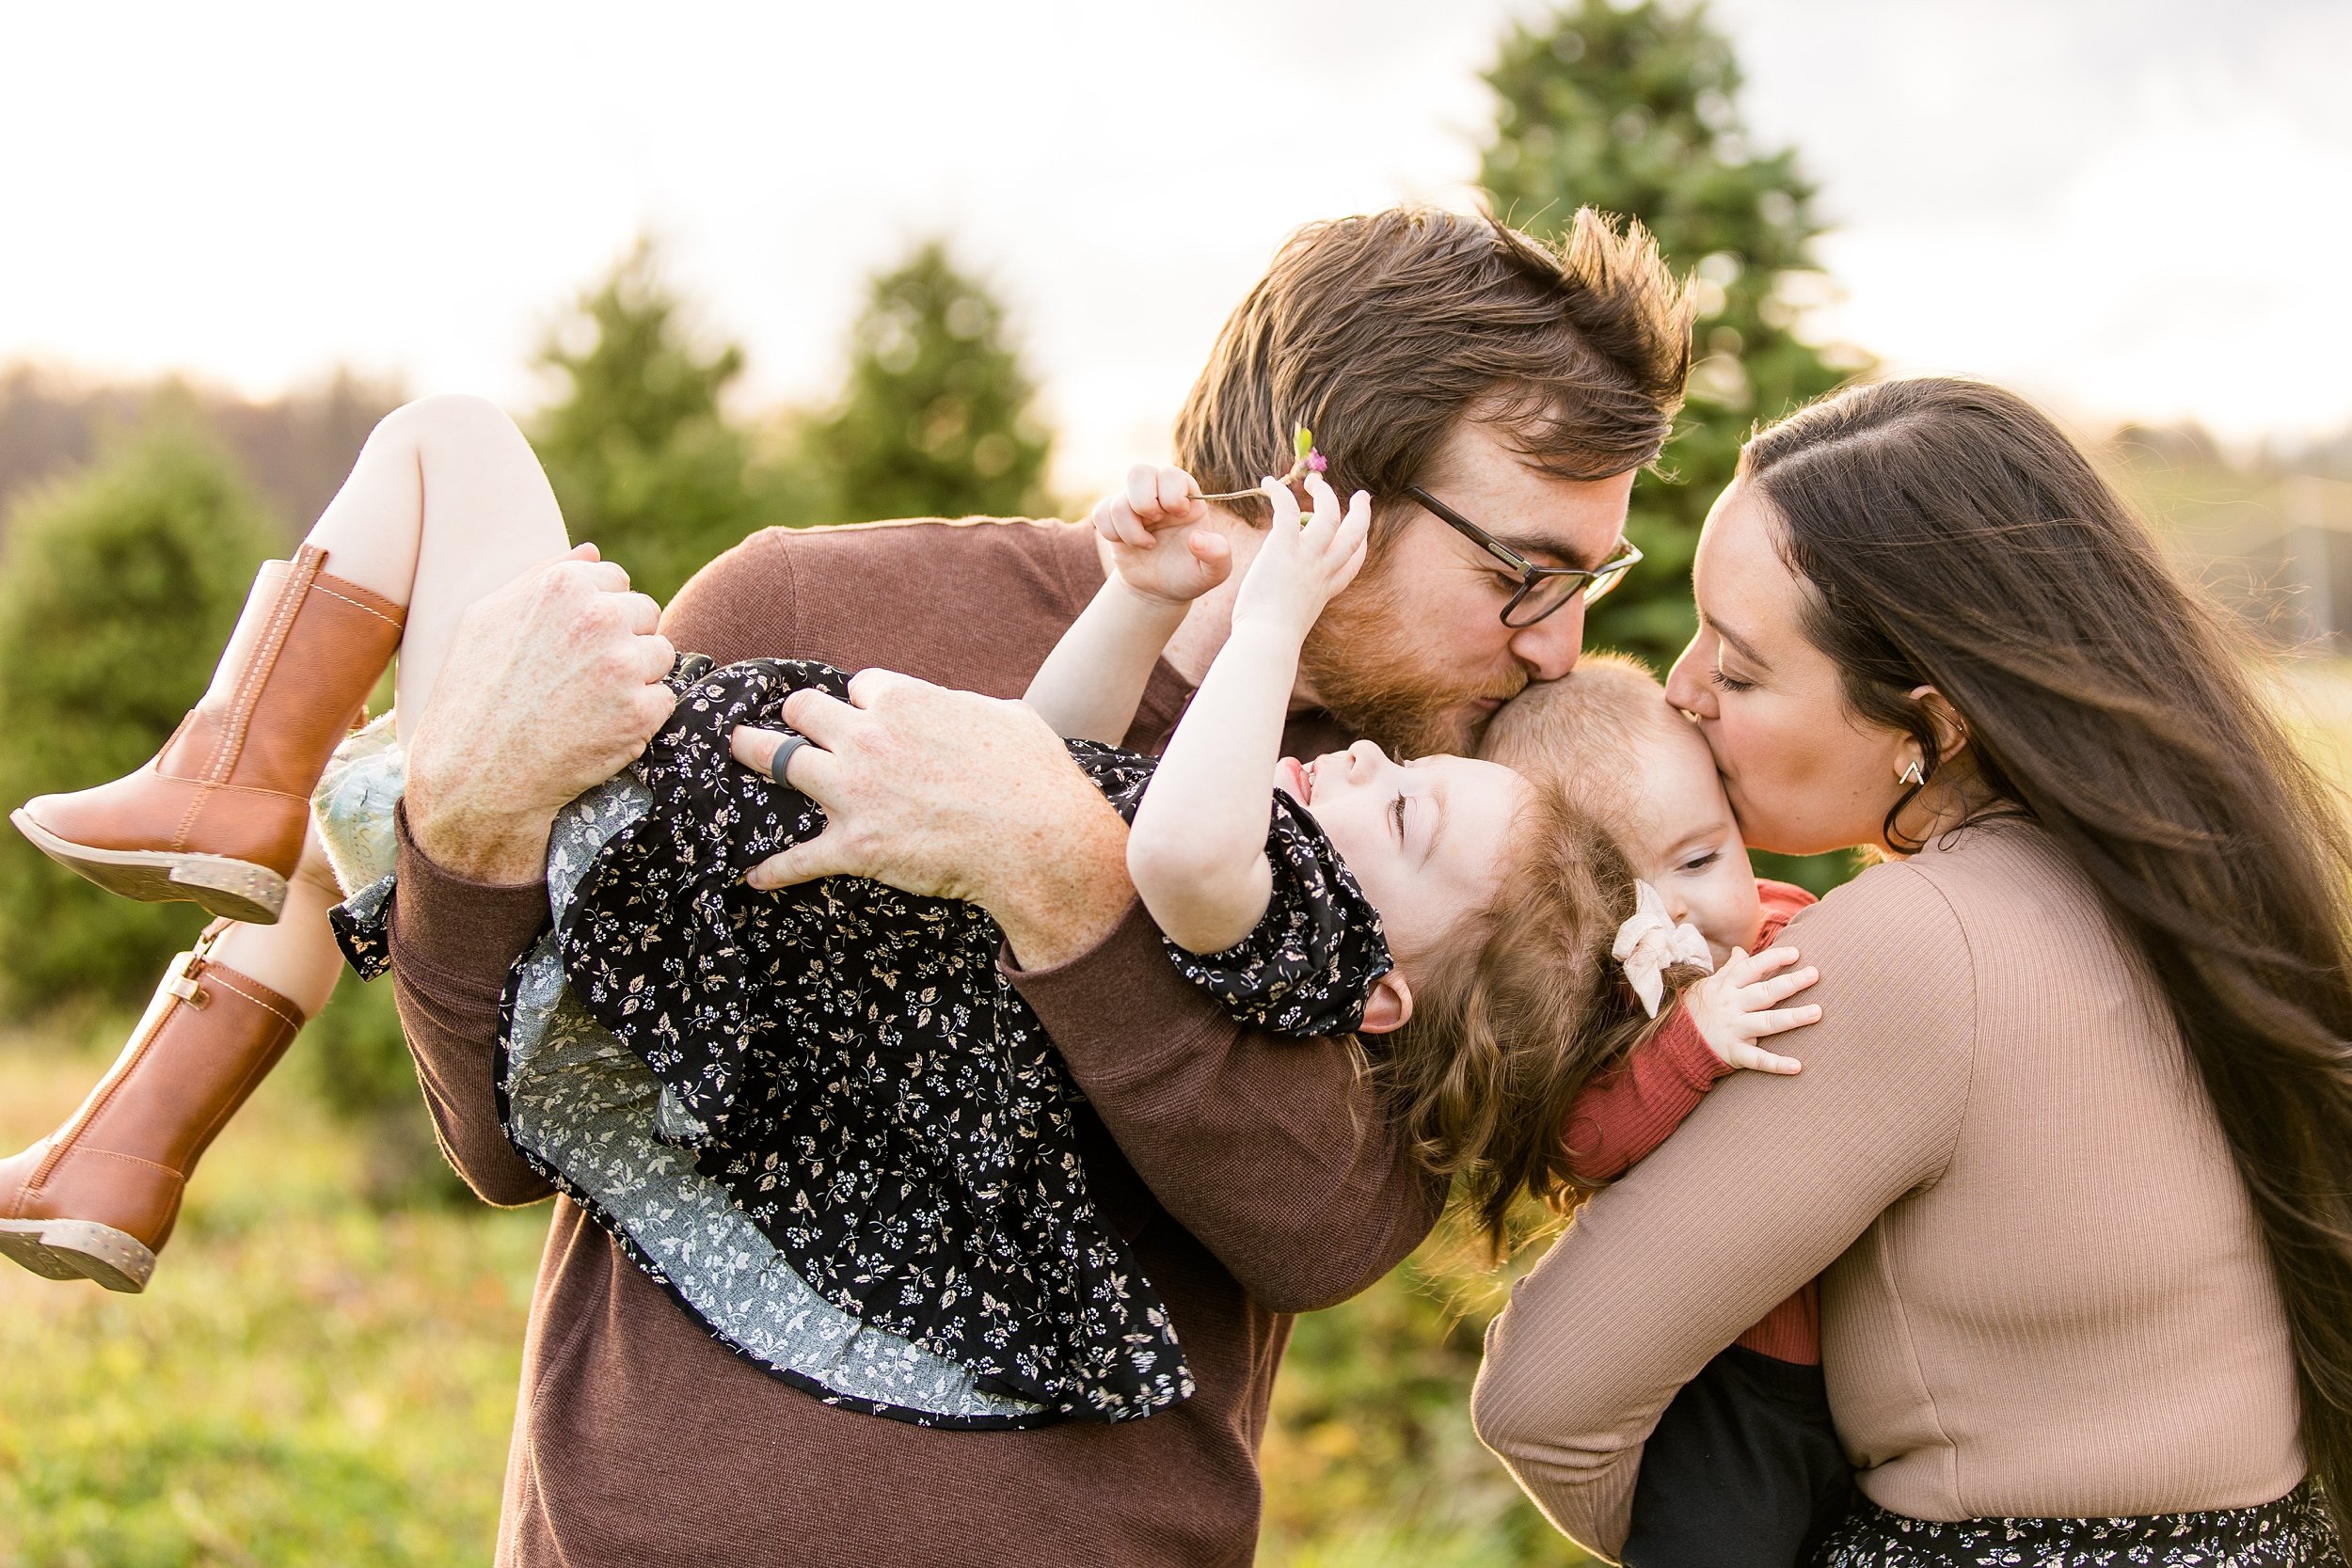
(1301, 567)
(1740, 1004)
(1158, 540)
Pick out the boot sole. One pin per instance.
(237, 890)
(79, 1249)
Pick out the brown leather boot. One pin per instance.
(96, 1199)
(217, 817)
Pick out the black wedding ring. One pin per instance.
(781, 763)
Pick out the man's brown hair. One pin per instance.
(1381, 333)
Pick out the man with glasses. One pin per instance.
(1496, 397)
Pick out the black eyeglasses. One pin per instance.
(1542, 588)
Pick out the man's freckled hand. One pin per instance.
(954, 795)
(552, 685)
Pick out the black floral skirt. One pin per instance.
(2293, 1532)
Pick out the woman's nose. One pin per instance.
(1687, 686)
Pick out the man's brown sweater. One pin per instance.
(1255, 1176)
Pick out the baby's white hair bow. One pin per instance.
(1650, 943)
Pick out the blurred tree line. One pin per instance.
(131, 519)
(933, 421)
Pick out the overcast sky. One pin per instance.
(2126, 207)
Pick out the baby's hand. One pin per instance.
(1158, 547)
(1299, 568)
(1739, 1003)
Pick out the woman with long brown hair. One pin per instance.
(2073, 1139)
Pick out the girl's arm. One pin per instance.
(1088, 687)
(1197, 851)
(1620, 1119)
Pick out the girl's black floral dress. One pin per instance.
(848, 1066)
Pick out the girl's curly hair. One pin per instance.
(1517, 1010)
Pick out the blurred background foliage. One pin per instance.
(638, 445)
(117, 578)
(935, 419)
(324, 1372)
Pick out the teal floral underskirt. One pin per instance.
(585, 1112)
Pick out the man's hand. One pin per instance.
(1160, 546)
(552, 685)
(952, 795)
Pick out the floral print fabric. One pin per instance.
(2292, 1532)
(584, 1113)
(849, 1062)
(846, 1067)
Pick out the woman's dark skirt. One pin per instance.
(2293, 1532)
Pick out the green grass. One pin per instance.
(305, 1382)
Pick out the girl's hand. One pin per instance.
(1740, 1004)
(1158, 544)
(1301, 567)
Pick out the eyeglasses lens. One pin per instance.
(1549, 594)
(1605, 582)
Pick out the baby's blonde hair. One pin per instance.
(1582, 729)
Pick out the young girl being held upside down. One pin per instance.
(819, 1115)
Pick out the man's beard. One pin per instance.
(1369, 671)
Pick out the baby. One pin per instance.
(1744, 1466)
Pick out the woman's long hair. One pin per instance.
(1955, 537)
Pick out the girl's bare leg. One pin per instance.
(297, 957)
(446, 502)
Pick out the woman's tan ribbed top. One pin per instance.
(2044, 1291)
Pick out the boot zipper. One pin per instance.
(230, 745)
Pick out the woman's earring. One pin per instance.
(1912, 775)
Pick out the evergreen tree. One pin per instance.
(642, 457)
(1634, 111)
(118, 591)
(934, 420)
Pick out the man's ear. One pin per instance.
(1951, 730)
(1388, 1007)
